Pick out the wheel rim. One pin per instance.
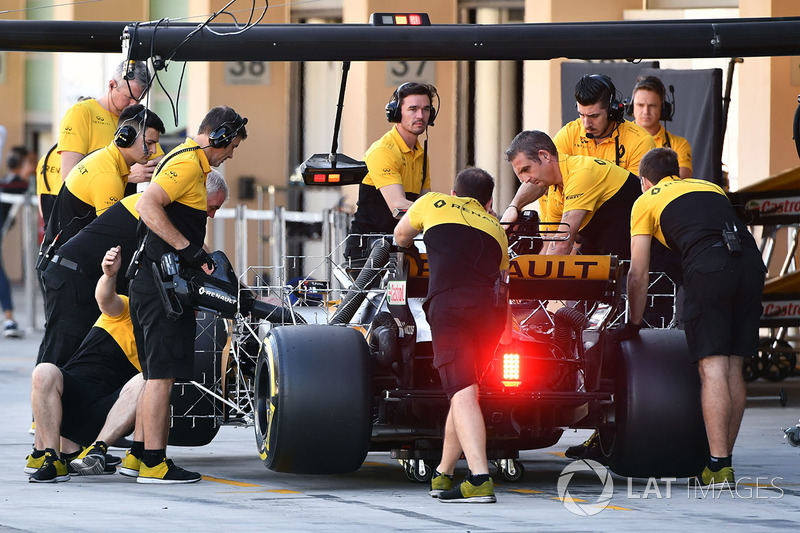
(266, 400)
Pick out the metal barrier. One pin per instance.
(334, 229)
(271, 235)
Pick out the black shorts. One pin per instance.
(70, 312)
(85, 405)
(722, 309)
(465, 330)
(166, 347)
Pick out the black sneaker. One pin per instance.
(113, 460)
(166, 472)
(91, 462)
(589, 449)
(466, 492)
(52, 470)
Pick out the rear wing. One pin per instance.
(564, 277)
(540, 277)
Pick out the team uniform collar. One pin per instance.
(122, 165)
(661, 135)
(400, 142)
(201, 155)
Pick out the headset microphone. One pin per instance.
(589, 135)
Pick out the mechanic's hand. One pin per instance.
(194, 256)
(112, 261)
(628, 331)
(142, 173)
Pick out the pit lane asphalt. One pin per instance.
(239, 494)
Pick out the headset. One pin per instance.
(651, 83)
(616, 109)
(225, 133)
(393, 111)
(126, 134)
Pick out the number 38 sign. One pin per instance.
(247, 73)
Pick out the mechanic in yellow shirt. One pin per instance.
(99, 180)
(94, 186)
(649, 107)
(93, 397)
(89, 125)
(398, 167)
(467, 254)
(600, 132)
(174, 208)
(592, 196)
(724, 281)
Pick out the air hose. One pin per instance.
(377, 260)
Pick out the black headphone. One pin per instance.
(126, 134)
(225, 133)
(616, 109)
(393, 111)
(651, 83)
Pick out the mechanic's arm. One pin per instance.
(105, 293)
(150, 207)
(395, 197)
(68, 161)
(404, 232)
(638, 277)
(574, 219)
(526, 194)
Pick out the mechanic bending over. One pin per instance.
(648, 106)
(93, 397)
(601, 131)
(467, 308)
(724, 276)
(592, 195)
(398, 166)
(174, 210)
(79, 266)
(89, 125)
(93, 186)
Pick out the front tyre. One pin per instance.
(313, 408)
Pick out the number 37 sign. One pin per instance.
(398, 72)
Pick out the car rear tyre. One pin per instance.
(313, 408)
(656, 428)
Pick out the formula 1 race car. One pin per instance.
(324, 381)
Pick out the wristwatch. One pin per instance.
(398, 213)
